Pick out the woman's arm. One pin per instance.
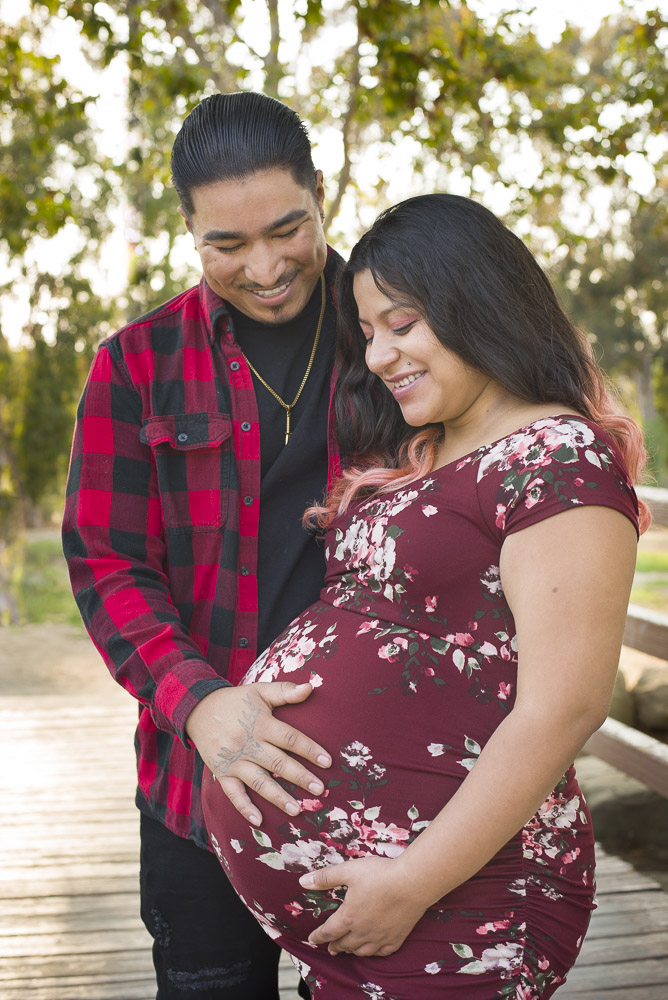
(567, 581)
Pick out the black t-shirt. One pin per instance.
(291, 563)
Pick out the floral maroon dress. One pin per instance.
(411, 649)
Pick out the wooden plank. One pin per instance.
(633, 752)
(625, 948)
(60, 887)
(70, 928)
(647, 919)
(640, 992)
(82, 943)
(656, 498)
(621, 975)
(108, 964)
(64, 906)
(647, 631)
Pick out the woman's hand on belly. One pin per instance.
(379, 911)
(242, 744)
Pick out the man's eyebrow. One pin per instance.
(224, 234)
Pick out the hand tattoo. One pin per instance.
(250, 748)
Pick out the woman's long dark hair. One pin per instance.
(485, 297)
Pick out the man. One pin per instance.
(202, 434)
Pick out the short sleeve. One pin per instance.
(550, 466)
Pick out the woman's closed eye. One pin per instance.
(401, 330)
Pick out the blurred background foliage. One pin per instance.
(568, 142)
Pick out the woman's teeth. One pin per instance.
(408, 380)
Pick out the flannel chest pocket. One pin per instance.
(193, 455)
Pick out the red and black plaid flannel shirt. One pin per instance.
(160, 528)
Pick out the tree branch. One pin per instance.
(272, 67)
(346, 134)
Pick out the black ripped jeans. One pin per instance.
(206, 945)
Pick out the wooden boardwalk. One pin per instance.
(69, 913)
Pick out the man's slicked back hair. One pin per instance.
(232, 136)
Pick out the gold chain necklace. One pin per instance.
(289, 406)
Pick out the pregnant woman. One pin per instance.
(480, 554)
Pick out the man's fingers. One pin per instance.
(277, 693)
(262, 783)
(236, 793)
(296, 743)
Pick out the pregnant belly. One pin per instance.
(389, 777)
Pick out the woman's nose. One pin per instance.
(381, 353)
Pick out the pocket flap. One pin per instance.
(187, 431)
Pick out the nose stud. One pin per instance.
(408, 364)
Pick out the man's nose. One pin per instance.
(264, 265)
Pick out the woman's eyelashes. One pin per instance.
(399, 331)
(404, 328)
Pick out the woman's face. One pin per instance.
(430, 383)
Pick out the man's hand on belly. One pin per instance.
(242, 744)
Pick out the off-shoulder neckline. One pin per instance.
(510, 434)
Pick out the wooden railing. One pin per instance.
(626, 748)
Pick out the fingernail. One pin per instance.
(307, 881)
(254, 819)
(324, 761)
(316, 787)
(292, 809)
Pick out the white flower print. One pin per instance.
(374, 992)
(556, 811)
(216, 847)
(507, 958)
(366, 544)
(504, 958)
(356, 754)
(533, 446)
(491, 579)
(302, 856)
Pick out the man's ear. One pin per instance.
(184, 215)
(319, 190)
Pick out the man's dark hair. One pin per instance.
(231, 136)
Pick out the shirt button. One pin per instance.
(235, 366)
(182, 437)
(248, 501)
(245, 426)
(243, 643)
(245, 571)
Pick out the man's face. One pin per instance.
(261, 242)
